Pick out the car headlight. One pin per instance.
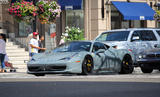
(142, 56)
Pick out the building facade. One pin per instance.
(94, 16)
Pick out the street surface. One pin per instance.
(20, 84)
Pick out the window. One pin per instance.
(73, 47)
(98, 46)
(24, 29)
(145, 35)
(114, 36)
(75, 18)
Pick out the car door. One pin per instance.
(98, 57)
(136, 43)
(111, 59)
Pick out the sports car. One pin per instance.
(81, 57)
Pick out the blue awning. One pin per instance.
(70, 4)
(135, 11)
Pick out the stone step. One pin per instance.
(15, 50)
(18, 70)
(9, 43)
(12, 47)
(14, 54)
(19, 58)
(20, 66)
(18, 62)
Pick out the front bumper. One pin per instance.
(148, 61)
(54, 68)
(154, 63)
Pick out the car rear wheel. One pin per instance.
(87, 66)
(146, 70)
(39, 74)
(127, 65)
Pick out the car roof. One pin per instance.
(131, 29)
(92, 41)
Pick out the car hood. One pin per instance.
(151, 51)
(46, 57)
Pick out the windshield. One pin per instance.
(114, 36)
(73, 47)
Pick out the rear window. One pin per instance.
(114, 36)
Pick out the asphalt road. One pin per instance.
(79, 89)
(138, 84)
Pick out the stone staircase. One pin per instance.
(17, 56)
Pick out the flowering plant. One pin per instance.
(48, 11)
(72, 33)
(23, 11)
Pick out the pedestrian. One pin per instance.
(40, 42)
(33, 45)
(2, 52)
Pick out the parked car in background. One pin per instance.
(134, 40)
(149, 60)
(81, 57)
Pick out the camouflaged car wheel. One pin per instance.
(87, 66)
(127, 65)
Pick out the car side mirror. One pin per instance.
(100, 51)
(135, 38)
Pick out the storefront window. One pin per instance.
(75, 18)
(24, 29)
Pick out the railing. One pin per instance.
(23, 41)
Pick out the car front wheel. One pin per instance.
(146, 70)
(87, 66)
(127, 65)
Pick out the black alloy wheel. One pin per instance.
(127, 65)
(87, 66)
(145, 69)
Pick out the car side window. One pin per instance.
(136, 36)
(98, 46)
(148, 35)
(144, 35)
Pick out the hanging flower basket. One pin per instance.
(48, 11)
(23, 11)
